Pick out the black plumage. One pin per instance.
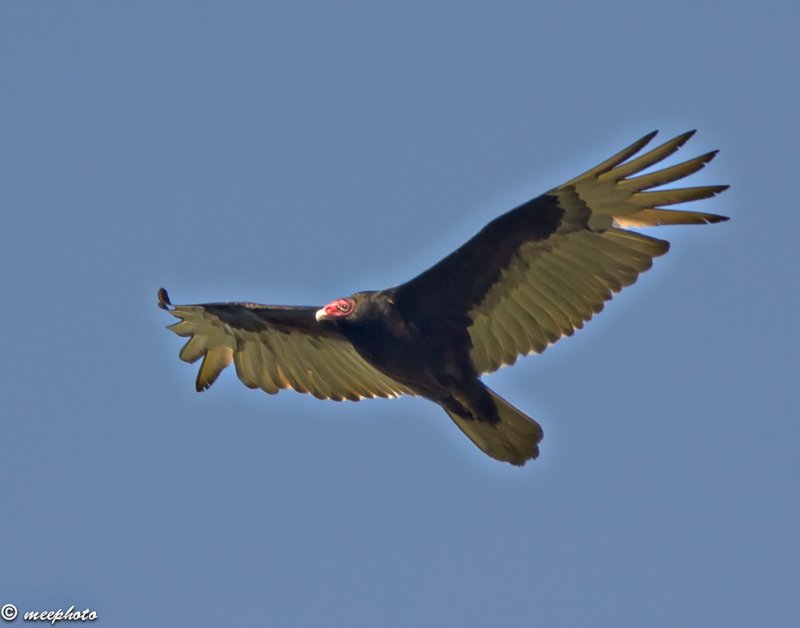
(526, 279)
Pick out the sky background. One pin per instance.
(293, 153)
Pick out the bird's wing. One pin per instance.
(275, 347)
(538, 272)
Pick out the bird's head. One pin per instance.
(337, 309)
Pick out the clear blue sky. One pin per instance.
(293, 153)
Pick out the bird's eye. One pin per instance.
(344, 306)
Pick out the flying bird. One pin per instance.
(528, 278)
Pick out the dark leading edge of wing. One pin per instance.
(275, 347)
(528, 278)
(541, 270)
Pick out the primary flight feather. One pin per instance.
(528, 278)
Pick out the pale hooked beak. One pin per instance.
(321, 314)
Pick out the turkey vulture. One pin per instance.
(529, 277)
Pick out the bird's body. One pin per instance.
(526, 279)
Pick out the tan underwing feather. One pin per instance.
(554, 285)
(272, 359)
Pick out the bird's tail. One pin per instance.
(514, 438)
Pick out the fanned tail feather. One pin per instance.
(515, 438)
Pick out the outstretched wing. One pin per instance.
(275, 347)
(538, 272)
